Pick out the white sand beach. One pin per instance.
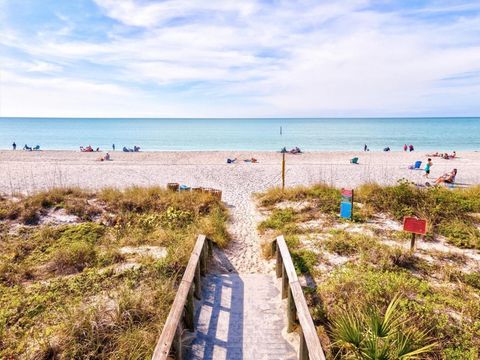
(27, 172)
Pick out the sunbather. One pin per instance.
(26, 147)
(448, 178)
(231, 161)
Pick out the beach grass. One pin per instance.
(93, 274)
(357, 268)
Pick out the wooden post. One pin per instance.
(291, 311)
(412, 242)
(274, 247)
(303, 353)
(189, 311)
(197, 280)
(279, 263)
(284, 282)
(351, 212)
(283, 172)
(209, 246)
(177, 344)
(203, 259)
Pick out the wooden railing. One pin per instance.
(297, 309)
(183, 308)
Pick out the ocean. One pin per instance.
(438, 134)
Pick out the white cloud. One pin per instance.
(246, 58)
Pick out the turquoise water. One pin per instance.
(442, 134)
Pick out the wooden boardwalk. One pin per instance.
(241, 316)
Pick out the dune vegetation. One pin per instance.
(370, 296)
(92, 275)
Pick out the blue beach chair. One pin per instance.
(416, 166)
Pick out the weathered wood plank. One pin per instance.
(190, 311)
(197, 282)
(284, 283)
(287, 259)
(164, 343)
(297, 305)
(312, 341)
(279, 262)
(291, 312)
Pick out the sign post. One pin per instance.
(415, 226)
(346, 205)
(283, 172)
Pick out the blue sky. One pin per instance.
(189, 58)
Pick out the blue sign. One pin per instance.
(346, 210)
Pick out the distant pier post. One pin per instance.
(283, 171)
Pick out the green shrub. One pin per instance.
(366, 332)
(87, 232)
(304, 260)
(278, 220)
(460, 233)
(74, 257)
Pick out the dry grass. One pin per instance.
(66, 290)
(355, 267)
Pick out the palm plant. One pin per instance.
(368, 334)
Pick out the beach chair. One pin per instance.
(354, 160)
(415, 166)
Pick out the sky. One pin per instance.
(248, 58)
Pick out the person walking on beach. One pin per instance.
(411, 148)
(427, 167)
(113, 147)
(14, 146)
(405, 147)
(365, 147)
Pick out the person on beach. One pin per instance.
(405, 147)
(365, 147)
(14, 146)
(427, 167)
(411, 148)
(113, 147)
(448, 178)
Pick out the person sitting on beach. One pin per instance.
(295, 150)
(448, 178)
(136, 148)
(252, 160)
(231, 161)
(411, 148)
(107, 157)
(387, 148)
(405, 147)
(26, 147)
(454, 155)
(284, 150)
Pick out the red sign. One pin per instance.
(414, 225)
(347, 192)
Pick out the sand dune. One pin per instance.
(28, 172)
